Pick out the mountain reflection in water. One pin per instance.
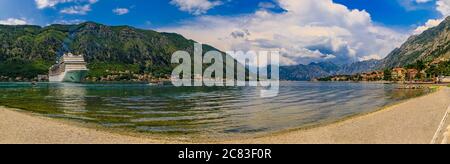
(202, 111)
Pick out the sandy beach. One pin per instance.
(23, 128)
(420, 120)
(412, 122)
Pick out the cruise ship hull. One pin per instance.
(75, 76)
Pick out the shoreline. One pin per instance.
(309, 135)
(33, 128)
(381, 109)
(36, 129)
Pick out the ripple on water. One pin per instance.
(211, 112)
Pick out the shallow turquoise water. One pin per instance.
(211, 112)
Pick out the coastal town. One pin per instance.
(225, 72)
(434, 73)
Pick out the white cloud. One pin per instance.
(81, 7)
(308, 31)
(429, 24)
(196, 7)
(68, 22)
(79, 10)
(423, 1)
(442, 6)
(41, 4)
(266, 5)
(13, 21)
(121, 11)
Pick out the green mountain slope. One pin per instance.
(26, 51)
(430, 46)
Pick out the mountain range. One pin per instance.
(27, 51)
(431, 46)
(324, 69)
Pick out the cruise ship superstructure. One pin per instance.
(70, 68)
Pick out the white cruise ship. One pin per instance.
(70, 68)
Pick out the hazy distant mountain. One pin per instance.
(359, 67)
(306, 72)
(433, 44)
(324, 69)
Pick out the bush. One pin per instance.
(23, 68)
(101, 69)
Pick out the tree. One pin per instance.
(420, 65)
(387, 75)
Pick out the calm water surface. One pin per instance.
(202, 111)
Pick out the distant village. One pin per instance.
(113, 76)
(418, 73)
(125, 76)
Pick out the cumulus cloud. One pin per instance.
(429, 24)
(121, 11)
(307, 31)
(81, 7)
(413, 5)
(267, 5)
(42, 4)
(79, 10)
(442, 6)
(68, 22)
(196, 7)
(423, 1)
(240, 33)
(13, 21)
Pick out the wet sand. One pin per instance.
(23, 128)
(414, 121)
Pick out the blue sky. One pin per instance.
(158, 13)
(303, 30)
(141, 13)
(398, 13)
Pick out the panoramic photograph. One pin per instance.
(225, 72)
